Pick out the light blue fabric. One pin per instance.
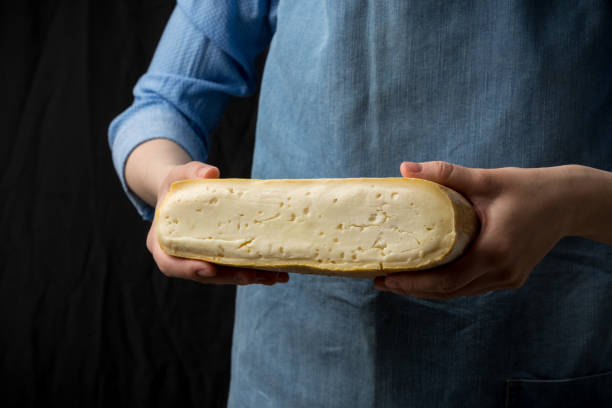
(206, 55)
(352, 88)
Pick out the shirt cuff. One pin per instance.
(130, 129)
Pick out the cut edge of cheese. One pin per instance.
(356, 227)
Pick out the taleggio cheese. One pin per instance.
(361, 227)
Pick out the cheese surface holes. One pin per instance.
(361, 227)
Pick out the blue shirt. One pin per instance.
(351, 89)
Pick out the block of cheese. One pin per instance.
(359, 227)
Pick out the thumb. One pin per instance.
(196, 169)
(462, 179)
(191, 170)
(208, 171)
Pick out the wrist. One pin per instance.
(589, 199)
(158, 179)
(569, 198)
(149, 164)
(551, 191)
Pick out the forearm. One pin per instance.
(148, 165)
(590, 202)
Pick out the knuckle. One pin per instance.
(183, 171)
(405, 285)
(164, 266)
(193, 273)
(196, 169)
(482, 179)
(443, 170)
(152, 244)
(422, 284)
(192, 164)
(193, 169)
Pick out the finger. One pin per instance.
(207, 171)
(499, 280)
(175, 267)
(220, 275)
(443, 279)
(195, 169)
(379, 284)
(207, 272)
(477, 287)
(241, 276)
(463, 179)
(493, 276)
(191, 170)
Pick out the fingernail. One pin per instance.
(413, 167)
(203, 171)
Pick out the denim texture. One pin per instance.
(353, 88)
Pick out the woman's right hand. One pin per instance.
(202, 271)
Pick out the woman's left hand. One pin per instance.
(523, 214)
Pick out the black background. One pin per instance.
(86, 319)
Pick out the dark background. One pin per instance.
(86, 319)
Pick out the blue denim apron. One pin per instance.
(353, 88)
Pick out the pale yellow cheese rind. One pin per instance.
(359, 227)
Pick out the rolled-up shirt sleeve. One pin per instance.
(205, 56)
